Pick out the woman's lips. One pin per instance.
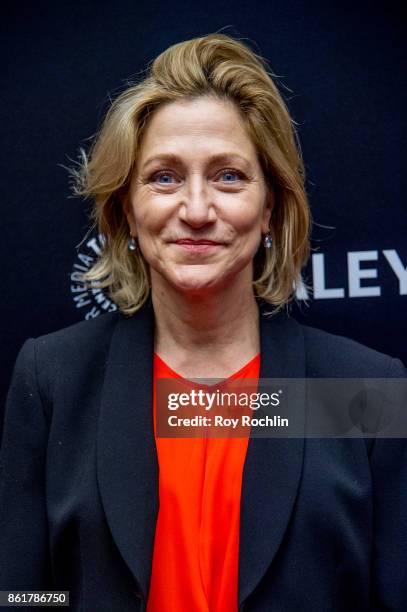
(198, 246)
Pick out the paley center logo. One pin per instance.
(93, 301)
(359, 281)
(361, 267)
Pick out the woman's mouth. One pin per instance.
(198, 246)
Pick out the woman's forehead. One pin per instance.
(203, 125)
(179, 160)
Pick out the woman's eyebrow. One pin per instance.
(176, 159)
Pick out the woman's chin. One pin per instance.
(197, 280)
(194, 282)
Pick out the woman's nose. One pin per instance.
(197, 206)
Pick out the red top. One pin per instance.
(196, 546)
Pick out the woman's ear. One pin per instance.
(268, 208)
(129, 213)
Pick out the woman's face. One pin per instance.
(198, 198)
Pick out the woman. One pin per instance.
(199, 194)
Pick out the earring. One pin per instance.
(132, 244)
(268, 240)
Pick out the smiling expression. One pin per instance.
(198, 201)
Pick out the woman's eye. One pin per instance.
(163, 178)
(231, 176)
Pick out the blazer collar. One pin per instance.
(127, 466)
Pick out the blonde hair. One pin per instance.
(218, 65)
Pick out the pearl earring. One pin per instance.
(132, 244)
(268, 241)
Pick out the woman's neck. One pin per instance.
(211, 336)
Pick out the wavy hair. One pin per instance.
(216, 65)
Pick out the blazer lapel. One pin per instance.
(127, 465)
(273, 465)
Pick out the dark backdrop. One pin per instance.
(342, 73)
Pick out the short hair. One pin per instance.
(212, 65)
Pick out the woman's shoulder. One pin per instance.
(329, 354)
(66, 358)
(78, 340)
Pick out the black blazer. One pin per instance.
(323, 521)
